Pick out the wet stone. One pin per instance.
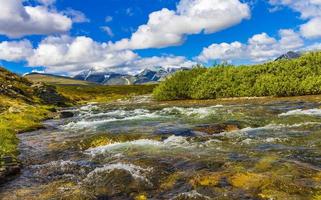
(66, 114)
(212, 129)
(185, 132)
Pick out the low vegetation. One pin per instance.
(102, 93)
(283, 78)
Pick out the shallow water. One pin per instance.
(236, 151)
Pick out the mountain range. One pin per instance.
(147, 76)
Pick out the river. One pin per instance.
(150, 150)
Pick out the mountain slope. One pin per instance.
(54, 79)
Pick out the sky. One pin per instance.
(66, 36)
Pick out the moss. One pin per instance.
(276, 195)
(249, 181)
(20, 117)
(171, 180)
(206, 179)
(317, 196)
(265, 163)
(141, 197)
(317, 177)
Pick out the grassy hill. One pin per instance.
(55, 80)
(282, 78)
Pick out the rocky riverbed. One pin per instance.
(141, 149)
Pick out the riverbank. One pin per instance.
(20, 116)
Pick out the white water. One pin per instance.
(312, 112)
(170, 142)
(89, 119)
(137, 172)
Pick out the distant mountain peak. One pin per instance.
(147, 75)
(289, 55)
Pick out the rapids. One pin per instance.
(162, 151)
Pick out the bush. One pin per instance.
(300, 76)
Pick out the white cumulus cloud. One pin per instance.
(259, 48)
(15, 50)
(17, 20)
(310, 11)
(170, 27)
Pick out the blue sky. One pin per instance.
(127, 36)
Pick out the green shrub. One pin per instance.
(178, 86)
(300, 76)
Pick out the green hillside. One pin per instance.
(23, 105)
(283, 78)
(55, 80)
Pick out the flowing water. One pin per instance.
(160, 151)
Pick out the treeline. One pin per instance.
(301, 76)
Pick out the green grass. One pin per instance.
(19, 117)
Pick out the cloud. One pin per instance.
(312, 29)
(259, 48)
(313, 47)
(70, 55)
(17, 20)
(76, 16)
(310, 10)
(15, 50)
(47, 2)
(107, 30)
(108, 19)
(169, 28)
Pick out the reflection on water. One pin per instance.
(263, 151)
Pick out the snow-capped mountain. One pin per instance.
(150, 75)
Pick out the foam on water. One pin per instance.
(271, 127)
(112, 116)
(170, 142)
(312, 112)
(62, 164)
(137, 172)
(90, 119)
(201, 112)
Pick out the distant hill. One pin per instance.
(55, 79)
(14, 86)
(20, 88)
(147, 76)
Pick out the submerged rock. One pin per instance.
(66, 114)
(175, 131)
(212, 129)
(10, 168)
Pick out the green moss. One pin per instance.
(25, 118)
